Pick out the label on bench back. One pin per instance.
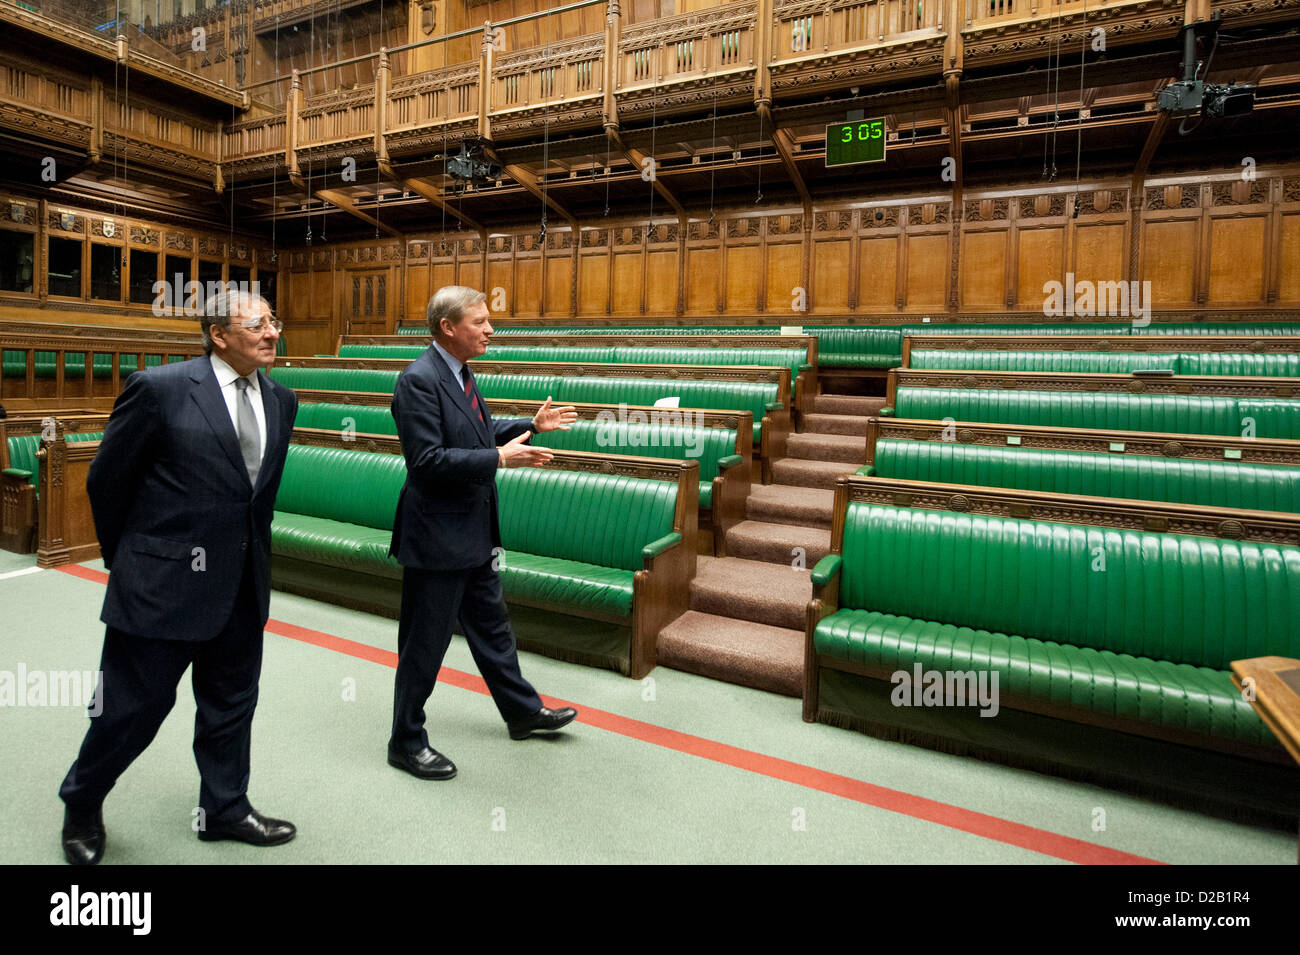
(1232, 454)
(1117, 445)
(791, 329)
(1013, 439)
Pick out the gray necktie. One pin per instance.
(250, 443)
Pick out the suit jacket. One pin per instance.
(447, 513)
(174, 510)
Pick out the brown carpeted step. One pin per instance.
(834, 424)
(809, 473)
(735, 651)
(776, 543)
(848, 448)
(847, 404)
(751, 590)
(783, 504)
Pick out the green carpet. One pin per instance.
(589, 795)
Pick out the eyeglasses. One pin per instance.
(260, 324)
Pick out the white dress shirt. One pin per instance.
(226, 379)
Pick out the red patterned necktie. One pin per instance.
(470, 393)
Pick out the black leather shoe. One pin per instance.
(424, 763)
(255, 829)
(83, 836)
(544, 721)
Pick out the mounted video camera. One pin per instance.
(1191, 93)
(469, 165)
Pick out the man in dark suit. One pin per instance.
(182, 491)
(446, 535)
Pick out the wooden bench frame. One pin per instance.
(65, 524)
(1154, 516)
(18, 511)
(661, 589)
(1158, 344)
(775, 426)
(1229, 386)
(1197, 447)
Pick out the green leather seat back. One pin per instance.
(675, 442)
(381, 351)
(1140, 477)
(352, 487)
(578, 516)
(791, 358)
(1168, 597)
(523, 387)
(585, 353)
(331, 416)
(337, 379)
(1271, 417)
(1075, 361)
(839, 345)
(1228, 363)
(1184, 414)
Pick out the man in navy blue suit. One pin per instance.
(182, 491)
(446, 535)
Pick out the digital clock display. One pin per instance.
(848, 144)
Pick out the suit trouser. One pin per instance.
(138, 689)
(432, 602)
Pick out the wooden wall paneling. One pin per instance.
(786, 248)
(1287, 253)
(1098, 252)
(744, 263)
(1040, 258)
(469, 261)
(831, 269)
(526, 293)
(417, 288)
(559, 297)
(1171, 244)
(593, 272)
(501, 275)
(703, 269)
(1236, 244)
(662, 269)
(928, 237)
(629, 270)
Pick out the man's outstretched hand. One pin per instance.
(554, 419)
(516, 454)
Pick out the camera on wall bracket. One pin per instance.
(472, 166)
(1192, 94)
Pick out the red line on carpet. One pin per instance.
(892, 800)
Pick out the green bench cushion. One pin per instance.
(319, 540)
(332, 416)
(535, 578)
(1171, 597)
(1070, 361)
(1141, 477)
(336, 379)
(1173, 696)
(1183, 414)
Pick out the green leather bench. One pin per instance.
(761, 399)
(582, 587)
(1082, 614)
(1119, 362)
(1182, 414)
(1258, 487)
(713, 448)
